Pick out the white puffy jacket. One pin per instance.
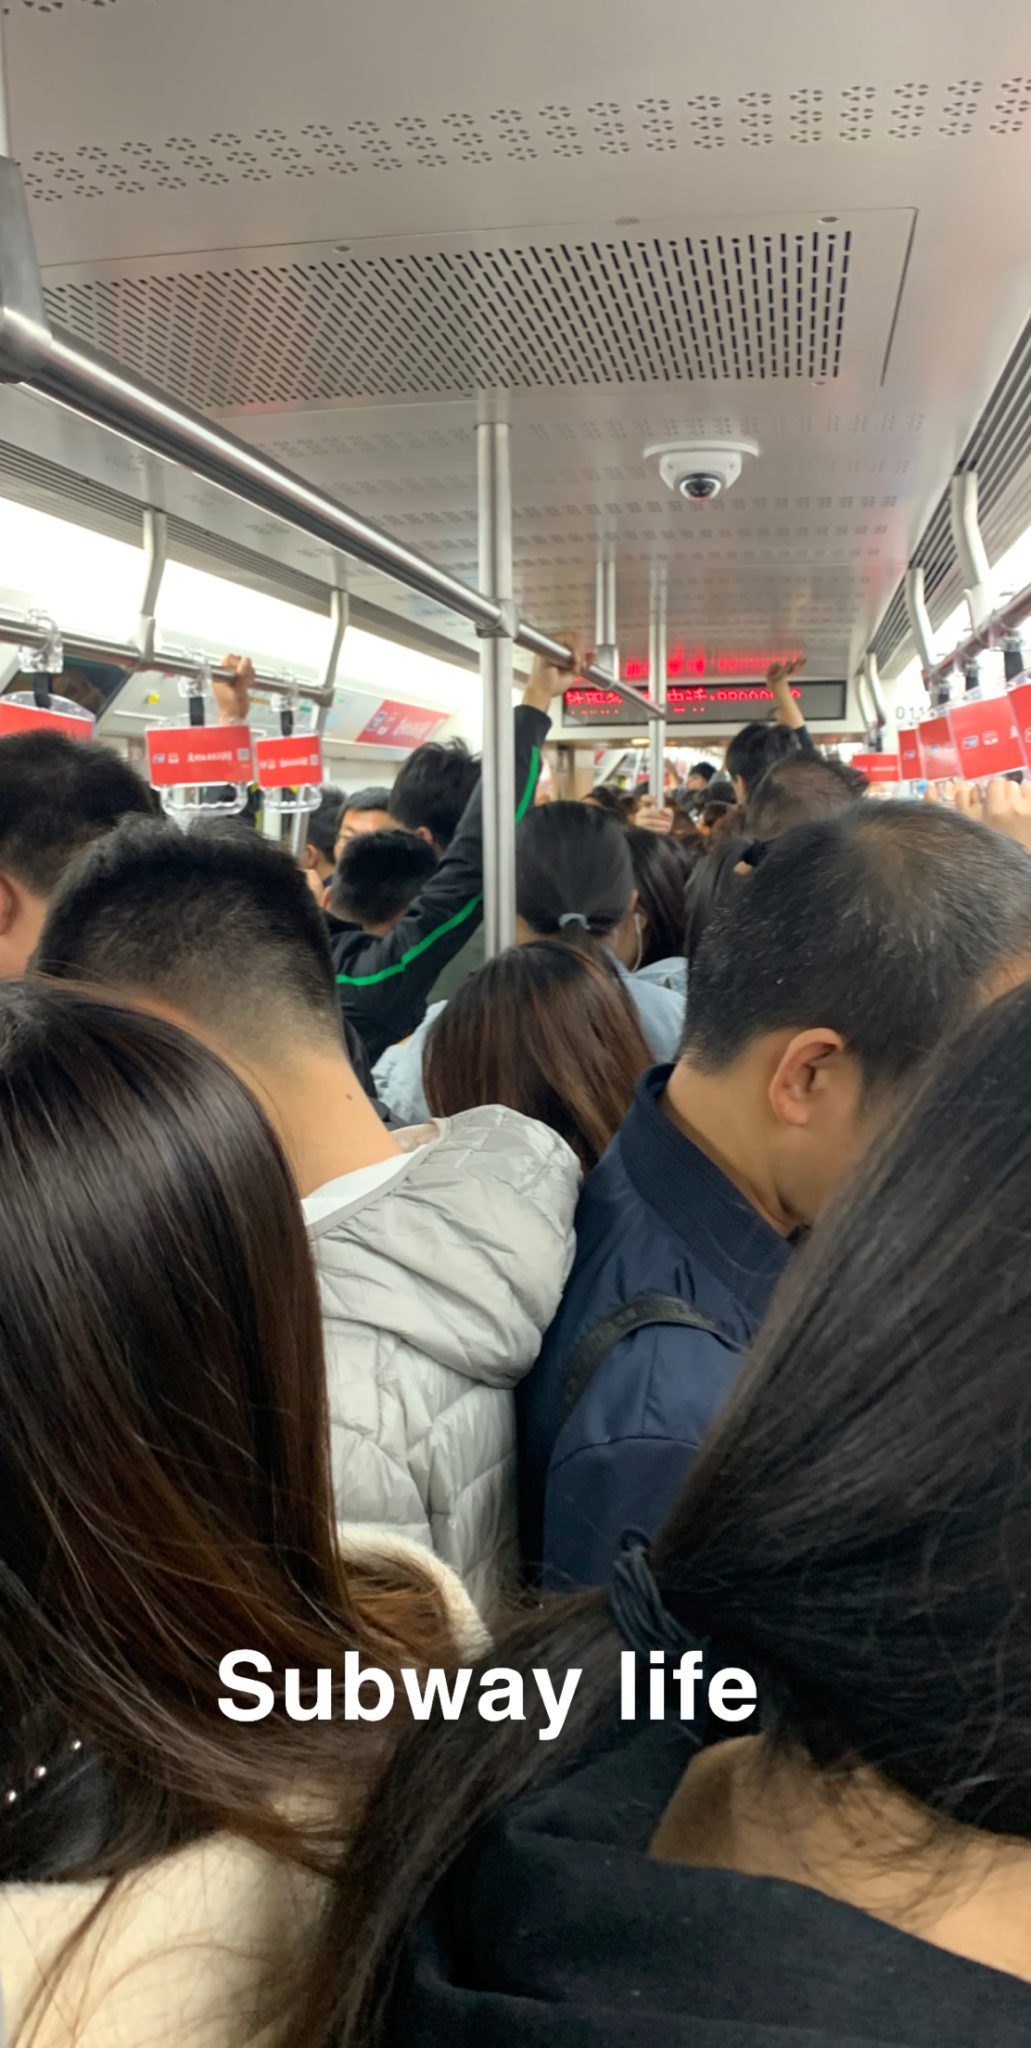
(437, 1287)
(189, 1948)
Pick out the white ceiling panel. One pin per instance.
(338, 227)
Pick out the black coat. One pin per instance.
(384, 984)
(556, 1930)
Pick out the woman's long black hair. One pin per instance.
(165, 1484)
(713, 880)
(661, 875)
(858, 1525)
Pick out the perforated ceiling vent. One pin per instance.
(734, 305)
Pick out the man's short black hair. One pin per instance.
(754, 749)
(56, 796)
(433, 788)
(375, 798)
(324, 823)
(802, 787)
(379, 874)
(704, 769)
(223, 928)
(883, 924)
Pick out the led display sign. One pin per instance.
(712, 702)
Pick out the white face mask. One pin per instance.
(639, 929)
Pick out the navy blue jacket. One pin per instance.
(656, 1217)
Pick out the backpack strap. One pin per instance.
(646, 1311)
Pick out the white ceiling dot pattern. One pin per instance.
(765, 226)
(808, 116)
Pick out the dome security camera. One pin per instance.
(700, 470)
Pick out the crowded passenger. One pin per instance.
(604, 797)
(575, 882)
(798, 789)
(847, 1577)
(384, 983)
(378, 876)
(368, 810)
(440, 1258)
(431, 792)
(820, 987)
(660, 878)
(429, 798)
(756, 747)
(549, 1030)
(56, 796)
(165, 1498)
(712, 880)
(699, 777)
(322, 830)
(721, 817)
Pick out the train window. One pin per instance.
(84, 580)
(951, 631)
(373, 663)
(1013, 569)
(211, 612)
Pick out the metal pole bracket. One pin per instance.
(506, 627)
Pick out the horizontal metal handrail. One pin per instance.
(85, 647)
(58, 366)
(1005, 620)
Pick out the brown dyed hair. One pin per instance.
(165, 1492)
(546, 1029)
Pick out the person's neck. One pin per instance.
(326, 1123)
(719, 1114)
(860, 1841)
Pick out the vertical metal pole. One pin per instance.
(155, 557)
(496, 674)
(339, 616)
(5, 126)
(657, 669)
(606, 650)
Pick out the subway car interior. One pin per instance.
(515, 539)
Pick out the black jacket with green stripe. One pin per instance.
(384, 983)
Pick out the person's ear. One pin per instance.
(803, 1073)
(15, 934)
(423, 832)
(310, 855)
